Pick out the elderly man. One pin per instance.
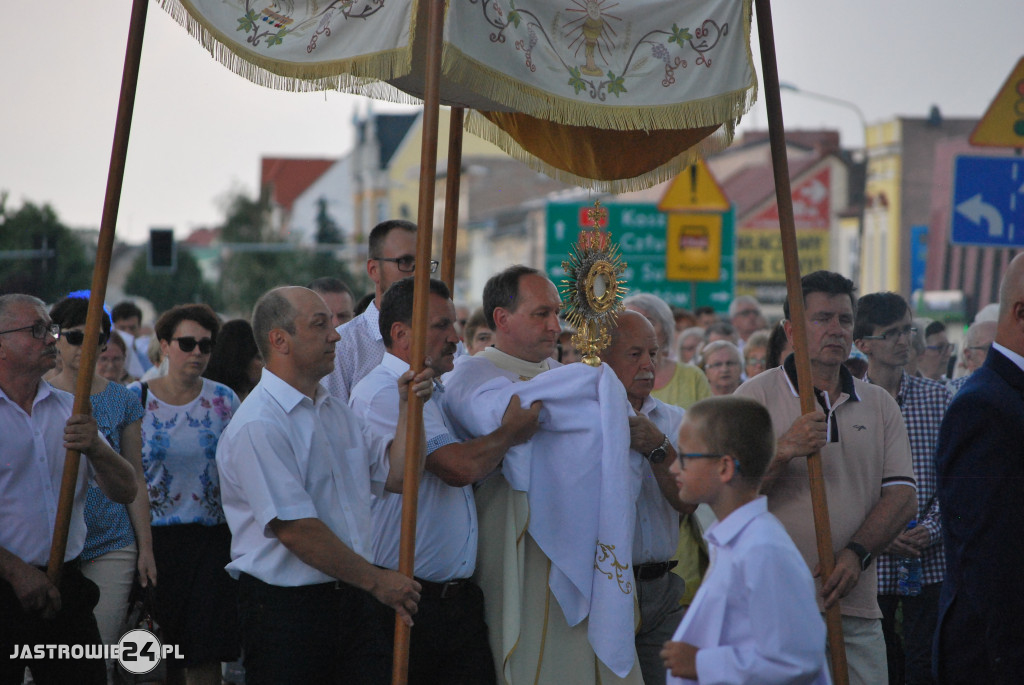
(392, 257)
(37, 429)
(745, 315)
(531, 639)
(297, 472)
(674, 382)
(654, 431)
(981, 485)
(866, 461)
(883, 332)
(978, 341)
(449, 641)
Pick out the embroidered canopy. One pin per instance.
(601, 93)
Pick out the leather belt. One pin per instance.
(653, 571)
(73, 565)
(447, 590)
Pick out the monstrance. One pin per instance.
(591, 288)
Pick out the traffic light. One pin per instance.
(162, 254)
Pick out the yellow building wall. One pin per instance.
(880, 253)
(404, 171)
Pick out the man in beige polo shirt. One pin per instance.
(866, 463)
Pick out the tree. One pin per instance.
(184, 286)
(247, 275)
(31, 228)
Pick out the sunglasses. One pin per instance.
(76, 338)
(188, 343)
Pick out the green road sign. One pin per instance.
(639, 229)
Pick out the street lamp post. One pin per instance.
(835, 101)
(859, 156)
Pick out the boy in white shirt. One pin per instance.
(754, 619)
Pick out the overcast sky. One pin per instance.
(199, 130)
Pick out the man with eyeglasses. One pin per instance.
(883, 332)
(977, 343)
(392, 257)
(934, 363)
(37, 428)
(866, 462)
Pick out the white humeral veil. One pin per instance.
(560, 516)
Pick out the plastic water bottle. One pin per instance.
(908, 572)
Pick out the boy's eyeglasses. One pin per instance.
(188, 343)
(893, 334)
(39, 330)
(407, 263)
(706, 455)
(76, 338)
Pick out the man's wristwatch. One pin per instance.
(659, 453)
(862, 553)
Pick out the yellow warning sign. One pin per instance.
(1003, 123)
(693, 250)
(694, 189)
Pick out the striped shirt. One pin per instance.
(923, 403)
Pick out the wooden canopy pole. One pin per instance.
(424, 241)
(451, 198)
(108, 224)
(784, 199)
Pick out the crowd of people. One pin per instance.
(250, 474)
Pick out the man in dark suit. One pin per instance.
(980, 634)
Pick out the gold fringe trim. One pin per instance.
(517, 96)
(362, 75)
(480, 126)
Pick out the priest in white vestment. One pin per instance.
(544, 554)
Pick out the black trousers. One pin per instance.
(448, 644)
(910, 656)
(302, 635)
(74, 624)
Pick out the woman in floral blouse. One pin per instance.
(185, 415)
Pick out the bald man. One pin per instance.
(296, 472)
(980, 460)
(653, 432)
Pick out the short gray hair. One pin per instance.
(8, 301)
(272, 310)
(742, 299)
(657, 312)
(718, 345)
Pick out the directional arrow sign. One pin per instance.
(988, 202)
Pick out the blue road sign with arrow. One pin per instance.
(988, 202)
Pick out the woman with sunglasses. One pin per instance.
(185, 415)
(118, 538)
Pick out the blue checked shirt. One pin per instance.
(923, 403)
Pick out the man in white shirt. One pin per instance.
(449, 640)
(392, 257)
(37, 429)
(654, 431)
(296, 474)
